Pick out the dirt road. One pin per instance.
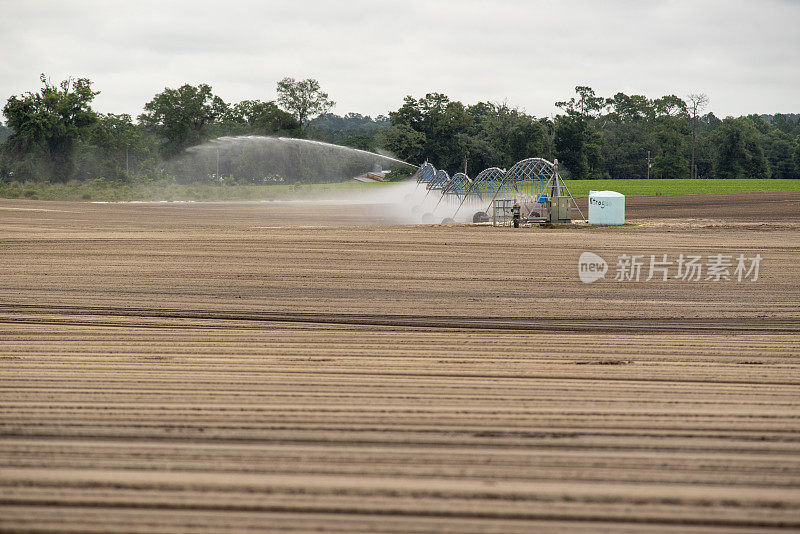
(237, 367)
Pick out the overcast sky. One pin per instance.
(368, 55)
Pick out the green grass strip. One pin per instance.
(636, 188)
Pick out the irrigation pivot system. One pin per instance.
(533, 184)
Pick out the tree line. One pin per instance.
(55, 135)
(594, 137)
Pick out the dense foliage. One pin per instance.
(597, 138)
(353, 130)
(5, 132)
(304, 99)
(54, 135)
(47, 125)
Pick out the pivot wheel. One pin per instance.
(480, 217)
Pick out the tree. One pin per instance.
(181, 117)
(407, 143)
(586, 105)
(740, 155)
(578, 146)
(353, 129)
(264, 118)
(778, 151)
(453, 136)
(697, 102)
(625, 148)
(670, 106)
(634, 108)
(627, 135)
(304, 99)
(46, 125)
(670, 160)
(786, 124)
(451, 126)
(509, 133)
(410, 114)
(106, 148)
(442, 131)
(797, 155)
(5, 132)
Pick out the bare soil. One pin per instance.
(312, 367)
(732, 207)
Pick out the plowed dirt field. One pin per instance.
(312, 367)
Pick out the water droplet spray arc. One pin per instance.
(269, 160)
(288, 161)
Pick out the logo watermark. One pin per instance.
(591, 267)
(684, 267)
